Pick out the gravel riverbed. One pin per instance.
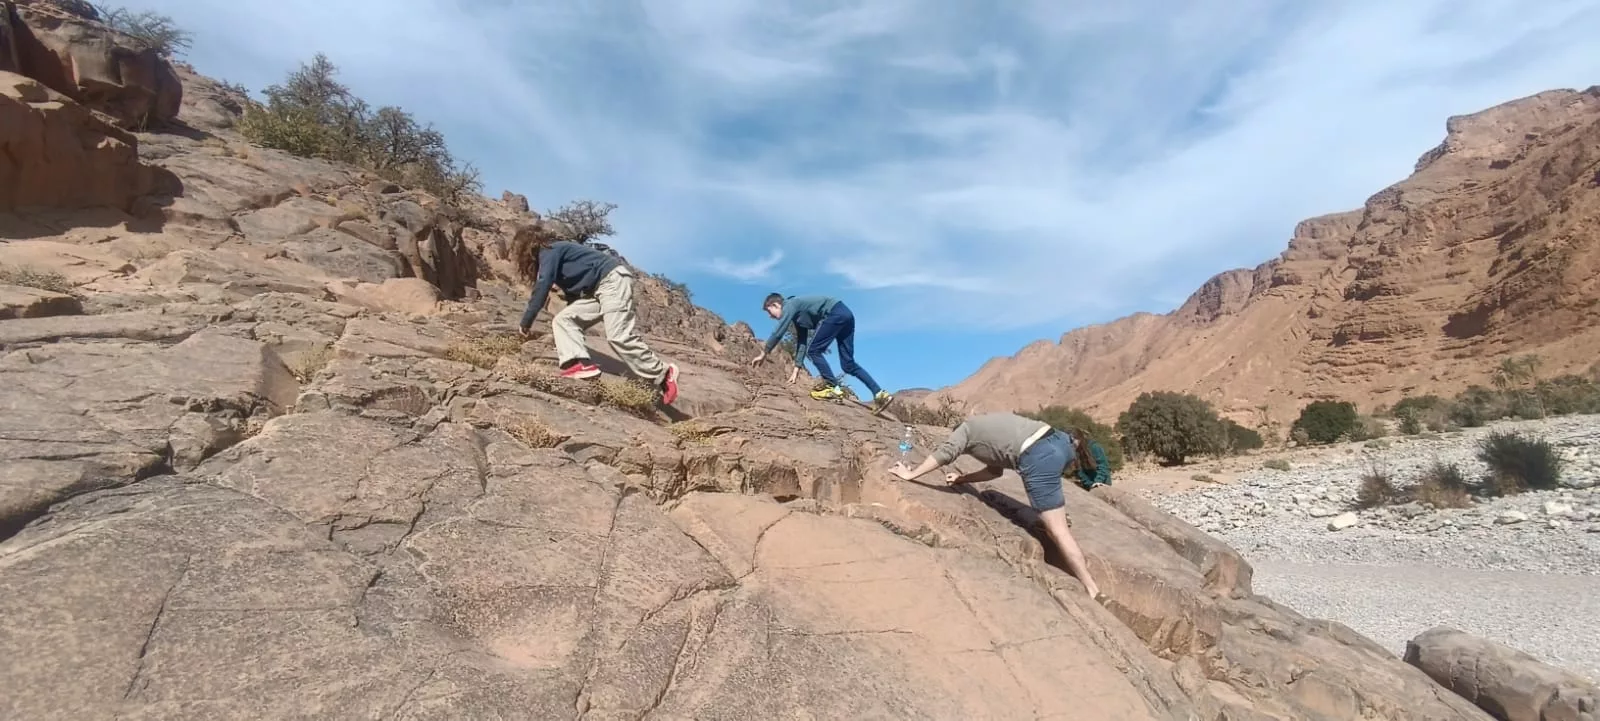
(1522, 570)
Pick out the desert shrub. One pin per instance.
(1065, 419)
(1568, 394)
(1277, 464)
(1422, 412)
(1368, 428)
(1442, 485)
(1171, 427)
(37, 279)
(817, 422)
(1378, 444)
(692, 432)
(580, 221)
(947, 413)
(1327, 421)
(673, 286)
(1478, 405)
(1519, 462)
(630, 395)
(1240, 438)
(309, 363)
(1377, 489)
(1202, 478)
(313, 115)
(486, 351)
(150, 30)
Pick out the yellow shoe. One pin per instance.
(881, 401)
(827, 392)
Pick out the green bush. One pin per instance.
(1240, 438)
(1171, 427)
(1568, 394)
(313, 115)
(1415, 414)
(1519, 462)
(1478, 405)
(1368, 429)
(1066, 419)
(1277, 464)
(1327, 421)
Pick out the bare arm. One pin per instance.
(922, 469)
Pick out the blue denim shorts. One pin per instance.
(1040, 467)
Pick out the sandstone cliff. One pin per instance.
(268, 451)
(1491, 248)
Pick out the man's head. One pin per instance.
(773, 305)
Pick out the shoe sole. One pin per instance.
(592, 372)
(669, 392)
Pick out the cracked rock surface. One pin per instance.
(232, 486)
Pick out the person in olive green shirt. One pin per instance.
(1038, 452)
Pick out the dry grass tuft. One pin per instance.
(629, 395)
(1443, 486)
(486, 351)
(311, 362)
(692, 432)
(817, 422)
(535, 434)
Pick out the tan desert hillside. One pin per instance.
(270, 448)
(1491, 248)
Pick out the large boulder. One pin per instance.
(56, 153)
(1507, 683)
(94, 65)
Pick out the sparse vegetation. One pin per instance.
(1277, 464)
(1518, 463)
(485, 351)
(1171, 427)
(629, 395)
(817, 422)
(1442, 485)
(309, 363)
(1202, 478)
(535, 434)
(313, 115)
(1240, 438)
(1378, 444)
(1323, 422)
(1377, 489)
(673, 286)
(947, 414)
(1421, 412)
(580, 221)
(692, 432)
(150, 30)
(1065, 419)
(37, 279)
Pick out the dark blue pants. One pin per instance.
(839, 325)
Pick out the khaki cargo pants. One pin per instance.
(612, 303)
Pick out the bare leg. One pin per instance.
(1055, 522)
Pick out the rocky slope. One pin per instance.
(268, 451)
(1491, 248)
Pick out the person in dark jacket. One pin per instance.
(818, 321)
(597, 287)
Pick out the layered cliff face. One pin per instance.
(1491, 248)
(270, 450)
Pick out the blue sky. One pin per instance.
(967, 178)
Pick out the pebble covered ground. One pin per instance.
(1523, 570)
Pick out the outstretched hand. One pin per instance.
(758, 359)
(900, 471)
(794, 375)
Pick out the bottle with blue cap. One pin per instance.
(905, 444)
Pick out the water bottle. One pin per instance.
(905, 444)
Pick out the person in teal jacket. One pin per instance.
(1089, 463)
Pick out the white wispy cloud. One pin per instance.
(746, 272)
(1036, 162)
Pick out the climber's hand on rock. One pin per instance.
(757, 360)
(524, 331)
(952, 478)
(900, 471)
(794, 375)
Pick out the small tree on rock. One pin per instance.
(581, 221)
(1171, 426)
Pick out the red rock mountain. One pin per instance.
(1490, 248)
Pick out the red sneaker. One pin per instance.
(669, 385)
(580, 370)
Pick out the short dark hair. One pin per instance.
(772, 298)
